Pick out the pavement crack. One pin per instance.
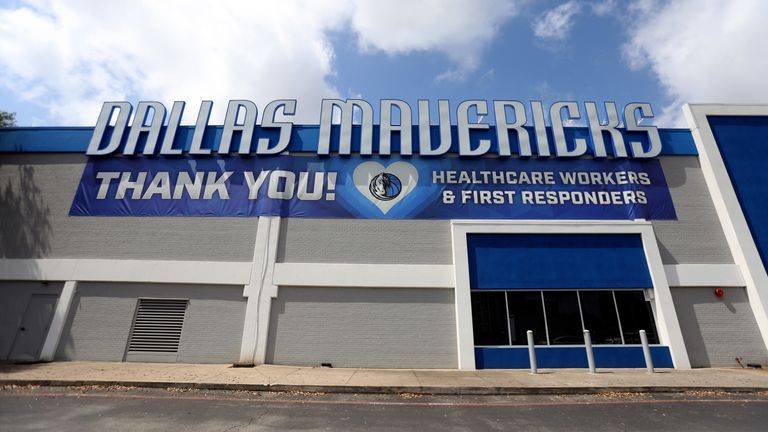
(413, 372)
(276, 381)
(265, 377)
(241, 425)
(350, 377)
(291, 373)
(208, 377)
(487, 380)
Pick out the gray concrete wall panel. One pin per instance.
(369, 241)
(363, 327)
(213, 326)
(717, 330)
(99, 323)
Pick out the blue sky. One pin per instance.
(60, 59)
(587, 65)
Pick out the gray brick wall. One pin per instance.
(696, 237)
(363, 327)
(99, 323)
(370, 241)
(717, 330)
(213, 326)
(36, 192)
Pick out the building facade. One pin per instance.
(393, 292)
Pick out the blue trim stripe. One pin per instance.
(304, 138)
(570, 357)
(557, 261)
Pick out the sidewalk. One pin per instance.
(289, 378)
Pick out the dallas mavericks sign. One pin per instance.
(399, 168)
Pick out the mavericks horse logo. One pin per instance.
(385, 186)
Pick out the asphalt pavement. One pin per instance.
(114, 408)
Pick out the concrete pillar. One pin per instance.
(60, 315)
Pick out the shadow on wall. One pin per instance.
(676, 177)
(718, 330)
(25, 227)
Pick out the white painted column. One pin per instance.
(666, 316)
(268, 292)
(465, 339)
(60, 315)
(734, 223)
(259, 292)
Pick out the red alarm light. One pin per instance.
(719, 292)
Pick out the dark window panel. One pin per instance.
(635, 314)
(489, 318)
(563, 318)
(526, 313)
(599, 312)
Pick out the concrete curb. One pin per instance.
(425, 390)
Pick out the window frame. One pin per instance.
(581, 316)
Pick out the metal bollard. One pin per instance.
(590, 355)
(646, 351)
(532, 352)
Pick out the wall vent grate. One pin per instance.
(157, 326)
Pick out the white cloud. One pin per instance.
(458, 28)
(556, 23)
(604, 7)
(69, 56)
(710, 51)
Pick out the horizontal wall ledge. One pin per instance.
(364, 275)
(704, 275)
(298, 274)
(102, 270)
(441, 276)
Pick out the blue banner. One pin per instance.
(379, 188)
